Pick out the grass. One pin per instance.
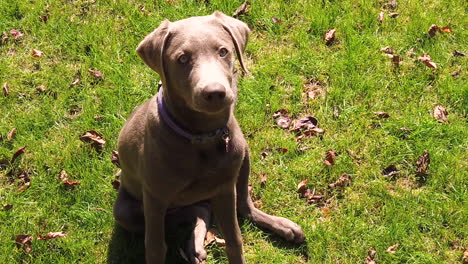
(426, 218)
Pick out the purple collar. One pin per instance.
(220, 133)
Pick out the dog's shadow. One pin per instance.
(129, 248)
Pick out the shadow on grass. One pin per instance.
(129, 248)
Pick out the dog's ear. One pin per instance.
(151, 48)
(239, 32)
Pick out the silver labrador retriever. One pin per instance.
(184, 145)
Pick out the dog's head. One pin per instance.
(195, 59)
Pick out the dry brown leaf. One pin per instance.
(457, 53)
(422, 165)
(388, 50)
(393, 14)
(75, 82)
(37, 53)
(315, 198)
(276, 20)
(11, 134)
(370, 259)
(263, 155)
(115, 158)
(263, 179)
(6, 89)
(391, 5)
(396, 60)
(41, 88)
(456, 72)
(93, 137)
(96, 74)
(336, 111)
(392, 249)
(304, 148)
(313, 89)
(330, 36)
(426, 59)
(25, 186)
(432, 30)
(381, 114)
(16, 33)
(63, 177)
(301, 186)
(446, 30)
(342, 181)
(116, 184)
(440, 114)
(210, 236)
(242, 10)
(282, 118)
(310, 133)
(465, 256)
(380, 17)
(304, 123)
(390, 171)
(7, 207)
(18, 153)
(51, 235)
(4, 37)
(330, 156)
(24, 241)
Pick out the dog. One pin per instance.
(183, 148)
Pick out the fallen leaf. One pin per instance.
(426, 59)
(326, 212)
(116, 184)
(304, 148)
(315, 199)
(396, 60)
(41, 88)
(263, 155)
(24, 241)
(370, 257)
(381, 114)
(37, 53)
(457, 53)
(263, 179)
(11, 134)
(446, 30)
(242, 10)
(432, 30)
(283, 150)
(44, 18)
(282, 118)
(306, 193)
(115, 158)
(301, 187)
(329, 157)
(336, 111)
(18, 153)
(465, 256)
(456, 72)
(94, 138)
(310, 133)
(212, 236)
(6, 89)
(380, 18)
(330, 36)
(393, 15)
(304, 123)
(390, 171)
(4, 37)
(276, 20)
(342, 181)
(23, 187)
(422, 165)
(96, 74)
(75, 82)
(388, 50)
(392, 5)
(63, 177)
(7, 207)
(313, 89)
(51, 235)
(440, 114)
(392, 249)
(16, 33)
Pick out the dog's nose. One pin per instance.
(214, 92)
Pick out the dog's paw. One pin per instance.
(193, 254)
(289, 230)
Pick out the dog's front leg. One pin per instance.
(224, 209)
(155, 244)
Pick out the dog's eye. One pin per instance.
(183, 59)
(223, 52)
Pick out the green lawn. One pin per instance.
(426, 215)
